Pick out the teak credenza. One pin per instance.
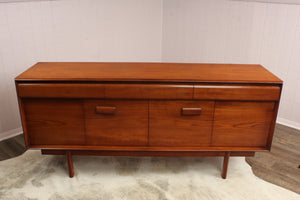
(148, 109)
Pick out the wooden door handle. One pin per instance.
(105, 110)
(191, 111)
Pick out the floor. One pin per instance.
(12, 147)
(281, 166)
(35, 176)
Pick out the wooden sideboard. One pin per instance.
(148, 109)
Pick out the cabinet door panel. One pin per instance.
(54, 122)
(242, 123)
(116, 122)
(180, 123)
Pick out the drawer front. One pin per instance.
(113, 122)
(242, 123)
(237, 92)
(54, 122)
(180, 123)
(148, 91)
(109, 91)
(58, 90)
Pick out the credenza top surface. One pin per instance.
(150, 72)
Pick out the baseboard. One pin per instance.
(288, 123)
(10, 133)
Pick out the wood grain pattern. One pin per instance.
(51, 122)
(149, 91)
(128, 125)
(60, 90)
(237, 92)
(168, 127)
(156, 72)
(149, 108)
(242, 123)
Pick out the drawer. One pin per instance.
(237, 92)
(114, 122)
(108, 91)
(180, 123)
(149, 91)
(243, 124)
(54, 122)
(61, 90)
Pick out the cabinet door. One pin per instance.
(116, 122)
(54, 122)
(180, 123)
(242, 123)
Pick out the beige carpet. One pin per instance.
(36, 176)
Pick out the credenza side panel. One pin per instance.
(54, 122)
(238, 123)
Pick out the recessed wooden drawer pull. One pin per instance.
(191, 111)
(105, 110)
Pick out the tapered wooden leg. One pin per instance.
(225, 164)
(70, 164)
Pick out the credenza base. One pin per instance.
(69, 154)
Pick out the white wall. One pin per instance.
(219, 31)
(77, 30)
(272, 1)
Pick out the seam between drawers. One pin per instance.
(84, 120)
(212, 124)
(148, 142)
(193, 97)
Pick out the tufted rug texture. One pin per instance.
(35, 176)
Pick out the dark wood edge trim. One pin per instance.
(148, 149)
(148, 124)
(273, 123)
(145, 153)
(193, 96)
(84, 120)
(23, 119)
